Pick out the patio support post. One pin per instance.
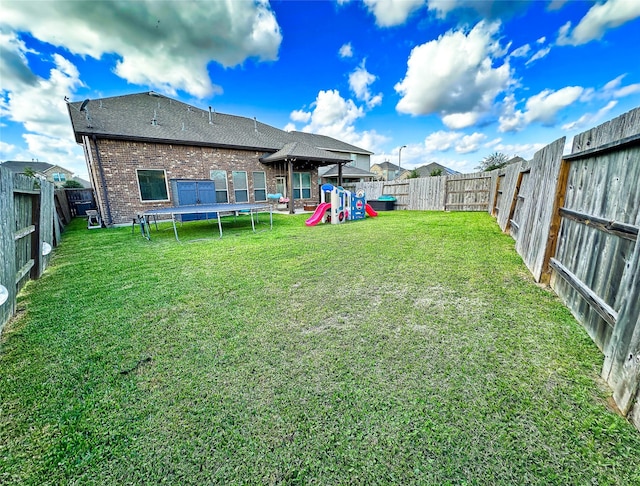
(290, 195)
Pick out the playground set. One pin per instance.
(339, 205)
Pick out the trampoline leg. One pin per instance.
(219, 224)
(175, 230)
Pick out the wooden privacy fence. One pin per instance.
(460, 192)
(27, 213)
(575, 221)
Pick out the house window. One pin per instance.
(240, 186)
(259, 186)
(302, 185)
(59, 177)
(153, 185)
(281, 185)
(219, 177)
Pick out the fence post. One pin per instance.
(556, 220)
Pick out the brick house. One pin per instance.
(139, 146)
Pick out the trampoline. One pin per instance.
(217, 209)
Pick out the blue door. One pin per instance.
(191, 193)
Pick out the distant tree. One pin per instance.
(71, 184)
(414, 174)
(28, 171)
(436, 172)
(494, 161)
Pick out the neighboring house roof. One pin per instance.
(348, 171)
(43, 168)
(386, 166)
(426, 170)
(153, 117)
(19, 166)
(84, 183)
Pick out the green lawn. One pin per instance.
(412, 348)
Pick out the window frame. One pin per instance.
(226, 184)
(166, 185)
(299, 188)
(256, 188)
(245, 190)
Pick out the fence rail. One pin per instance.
(575, 221)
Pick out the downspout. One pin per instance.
(291, 202)
(340, 174)
(109, 221)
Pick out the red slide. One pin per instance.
(318, 214)
(370, 211)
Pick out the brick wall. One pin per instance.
(120, 160)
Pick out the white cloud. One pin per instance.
(40, 108)
(524, 150)
(539, 55)
(166, 45)
(334, 116)
(455, 75)
(589, 119)
(600, 18)
(389, 13)
(5, 149)
(521, 51)
(300, 116)
(14, 68)
(457, 121)
(511, 120)
(359, 82)
(346, 50)
(556, 4)
(470, 143)
(442, 141)
(488, 9)
(613, 88)
(544, 106)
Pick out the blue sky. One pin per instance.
(453, 80)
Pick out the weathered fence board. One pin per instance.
(460, 192)
(505, 194)
(7, 246)
(62, 206)
(468, 192)
(427, 193)
(598, 243)
(537, 208)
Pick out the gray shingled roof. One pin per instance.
(19, 166)
(328, 143)
(348, 171)
(425, 170)
(153, 117)
(388, 166)
(303, 151)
